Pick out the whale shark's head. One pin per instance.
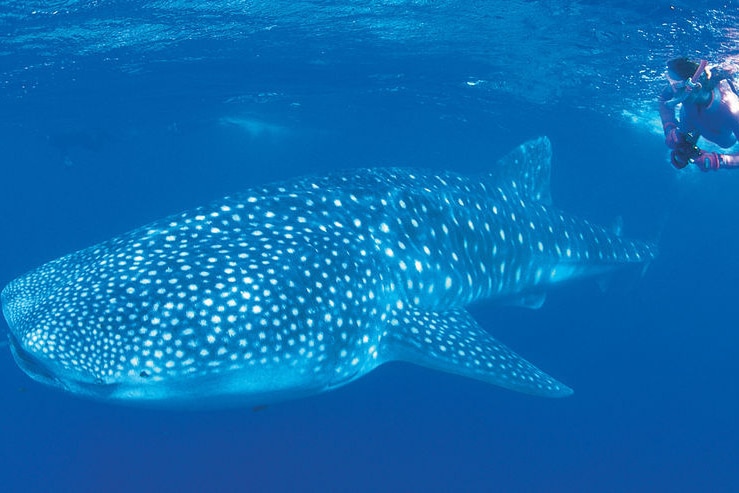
(51, 345)
(177, 314)
(70, 332)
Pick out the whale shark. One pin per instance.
(299, 287)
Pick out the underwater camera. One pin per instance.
(686, 152)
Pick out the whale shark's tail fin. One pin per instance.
(454, 342)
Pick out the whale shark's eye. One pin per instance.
(144, 374)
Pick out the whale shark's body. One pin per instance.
(303, 286)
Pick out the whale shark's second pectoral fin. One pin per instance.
(453, 342)
(533, 301)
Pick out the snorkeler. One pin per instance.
(709, 109)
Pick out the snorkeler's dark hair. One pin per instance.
(683, 67)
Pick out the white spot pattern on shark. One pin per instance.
(299, 287)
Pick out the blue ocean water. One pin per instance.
(113, 114)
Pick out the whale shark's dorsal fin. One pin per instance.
(529, 166)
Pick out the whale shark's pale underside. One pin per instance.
(302, 286)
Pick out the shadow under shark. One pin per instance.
(302, 286)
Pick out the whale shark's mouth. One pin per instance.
(44, 372)
(32, 365)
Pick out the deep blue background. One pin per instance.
(99, 137)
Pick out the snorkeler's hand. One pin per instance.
(674, 138)
(679, 159)
(708, 161)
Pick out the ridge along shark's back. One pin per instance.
(299, 287)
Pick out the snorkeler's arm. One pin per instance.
(708, 161)
(674, 138)
(730, 160)
(666, 112)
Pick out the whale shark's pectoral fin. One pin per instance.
(454, 342)
(533, 301)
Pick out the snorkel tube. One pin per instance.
(693, 83)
